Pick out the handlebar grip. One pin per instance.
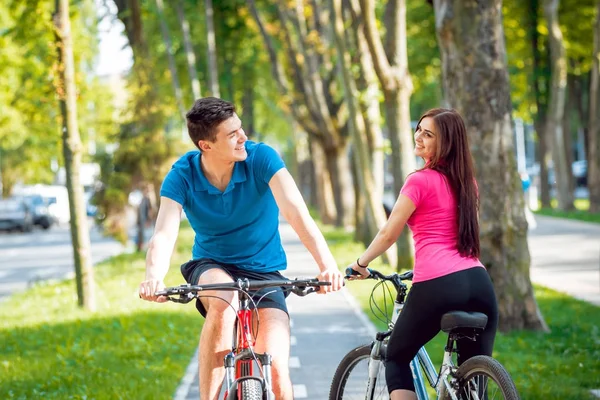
(352, 272)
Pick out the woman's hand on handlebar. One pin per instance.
(362, 272)
(149, 287)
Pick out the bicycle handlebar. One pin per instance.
(300, 287)
(374, 274)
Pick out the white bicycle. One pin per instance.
(361, 373)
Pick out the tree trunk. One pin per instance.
(308, 91)
(72, 149)
(594, 122)
(338, 163)
(248, 108)
(213, 75)
(189, 50)
(391, 67)
(324, 187)
(361, 226)
(544, 155)
(374, 213)
(568, 140)
(166, 34)
(368, 103)
(475, 80)
(556, 106)
(303, 171)
(539, 83)
(368, 100)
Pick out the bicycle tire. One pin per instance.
(346, 386)
(250, 389)
(485, 368)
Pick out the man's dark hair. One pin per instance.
(204, 117)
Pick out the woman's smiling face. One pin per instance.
(425, 139)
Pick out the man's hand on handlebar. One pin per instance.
(331, 275)
(149, 287)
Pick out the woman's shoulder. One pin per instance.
(424, 175)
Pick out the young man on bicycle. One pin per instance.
(232, 191)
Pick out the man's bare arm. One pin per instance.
(160, 248)
(294, 210)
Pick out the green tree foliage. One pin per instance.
(29, 122)
(242, 66)
(576, 24)
(423, 57)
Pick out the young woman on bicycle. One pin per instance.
(439, 202)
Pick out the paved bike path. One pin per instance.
(565, 256)
(324, 328)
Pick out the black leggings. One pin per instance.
(419, 321)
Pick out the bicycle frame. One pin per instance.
(239, 363)
(421, 361)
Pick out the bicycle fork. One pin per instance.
(375, 363)
(246, 356)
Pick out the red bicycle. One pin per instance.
(241, 380)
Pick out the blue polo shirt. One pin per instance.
(240, 225)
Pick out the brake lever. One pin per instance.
(181, 299)
(304, 291)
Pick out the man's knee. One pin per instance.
(274, 337)
(222, 304)
(274, 327)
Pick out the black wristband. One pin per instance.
(362, 266)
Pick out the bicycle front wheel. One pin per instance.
(351, 379)
(484, 378)
(250, 389)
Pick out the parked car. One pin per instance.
(39, 208)
(579, 169)
(15, 214)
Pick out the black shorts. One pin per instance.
(192, 270)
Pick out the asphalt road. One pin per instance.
(26, 258)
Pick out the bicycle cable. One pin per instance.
(382, 315)
(255, 310)
(254, 333)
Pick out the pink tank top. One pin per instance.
(434, 226)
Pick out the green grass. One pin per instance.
(131, 349)
(563, 364)
(580, 213)
(128, 349)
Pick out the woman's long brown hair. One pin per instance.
(453, 159)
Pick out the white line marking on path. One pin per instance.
(293, 340)
(188, 378)
(300, 392)
(294, 362)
